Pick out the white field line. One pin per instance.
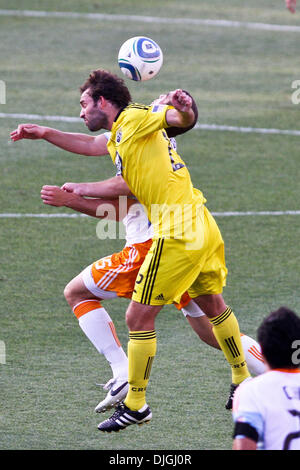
(206, 127)
(246, 130)
(151, 19)
(11, 215)
(254, 213)
(39, 117)
(19, 215)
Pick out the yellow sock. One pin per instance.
(227, 332)
(141, 352)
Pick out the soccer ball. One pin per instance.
(140, 58)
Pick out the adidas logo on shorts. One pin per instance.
(160, 297)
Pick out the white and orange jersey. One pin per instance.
(138, 229)
(270, 404)
(115, 275)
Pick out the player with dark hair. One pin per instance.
(100, 83)
(112, 278)
(276, 339)
(187, 252)
(266, 409)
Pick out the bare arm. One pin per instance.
(110, 188)
(82, 144)
(182, 115)
(244, 444)
(175, 131)
(99, 208)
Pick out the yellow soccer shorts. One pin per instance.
(173, 266)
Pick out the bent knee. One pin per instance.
(70, 293)
(76, 292)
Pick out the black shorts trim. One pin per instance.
(152, 273)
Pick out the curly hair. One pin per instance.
(108, 85)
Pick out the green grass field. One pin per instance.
(239, 77)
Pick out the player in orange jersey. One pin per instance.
(183, 256)
(114, 276)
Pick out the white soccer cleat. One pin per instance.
(117, 391)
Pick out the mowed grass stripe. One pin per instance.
(152, 20)
(240, 78)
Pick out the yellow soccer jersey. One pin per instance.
(153, 170)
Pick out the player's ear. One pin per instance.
(101, 102)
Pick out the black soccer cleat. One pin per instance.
(124, 417)
(233, 388)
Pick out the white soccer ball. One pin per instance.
(140, 58)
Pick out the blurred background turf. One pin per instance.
(239, 77)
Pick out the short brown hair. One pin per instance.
(108, 85)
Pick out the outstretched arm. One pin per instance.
(99, 208)
(110, 188)
(82, 144)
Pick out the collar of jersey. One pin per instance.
(291, 371)
(118, 114)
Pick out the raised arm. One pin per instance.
(82, 144)
(182, 114)
(174, 131)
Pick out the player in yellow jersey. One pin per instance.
(187, 252)
(115, 277)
